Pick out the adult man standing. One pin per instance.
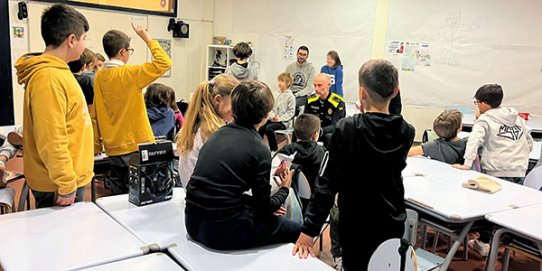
(328, 106)
(302, 73)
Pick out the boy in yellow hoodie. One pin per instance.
(57, 134)
(119, 115)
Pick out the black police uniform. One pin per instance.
(329, 111)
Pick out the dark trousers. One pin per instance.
(120, 171)
(48, 199)
(326, 138)
(358, 248)
(300, 102)
(269, 129)
(336, 249)
(241, 231)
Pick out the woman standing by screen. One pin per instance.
(334, 68)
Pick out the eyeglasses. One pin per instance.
(130, 50)
(476, 102)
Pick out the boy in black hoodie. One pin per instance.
(308, 154)
(234, 160)
(367, 154)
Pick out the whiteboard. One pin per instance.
(471, 43)
(345, 26)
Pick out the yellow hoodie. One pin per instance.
(119, 115)
(57, 130)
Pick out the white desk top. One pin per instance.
(155, 261)
(158, 225)
(534, 155)
(67, 238)
(525, 220)
(194, 257)
(533, 123)
(440, 189)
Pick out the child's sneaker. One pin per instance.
(480, 247)
(338, 263)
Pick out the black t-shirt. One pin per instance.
(87, 86)
(233, 161)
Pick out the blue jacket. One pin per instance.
(336, 75)
(162, 119)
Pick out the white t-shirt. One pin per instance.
(187, 161)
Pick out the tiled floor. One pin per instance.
(475, 263)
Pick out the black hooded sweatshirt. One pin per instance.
(308, 157)
(367, 154)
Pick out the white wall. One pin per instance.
(188, 54)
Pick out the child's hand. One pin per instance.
(142, 32)
(2, 171)
(60, 201)
(275, 119)
(280, 212)
(462, 167)
(286, 178)
(303, 246)
(282, 167)
(477, 114)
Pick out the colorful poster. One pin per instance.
(410, 56)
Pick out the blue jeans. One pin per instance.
(47, 199)
(241, 231)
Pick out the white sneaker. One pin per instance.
(338, 263)
(480, 247)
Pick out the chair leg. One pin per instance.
(435, 241)
(424, 237)
(505, 259)
(466, 249)
(24, 198)
(93, 189)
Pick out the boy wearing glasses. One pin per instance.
(119, 116)
(505, 142)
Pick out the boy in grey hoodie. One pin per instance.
(241, 69)
(505, 143)
(504, 137)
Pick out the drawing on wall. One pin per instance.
(410, 56)
(166, 45)
(18, 32)
(289, 50)
(451, 35)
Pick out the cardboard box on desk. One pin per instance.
(151, 173)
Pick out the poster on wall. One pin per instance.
(289, 50)
(166, 45)
(19, 40)
(409, 54)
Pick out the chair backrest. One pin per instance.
(534, 179)
(387, 258)
(411, 227)
(429, 135)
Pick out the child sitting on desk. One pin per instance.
(448, 148)
(367, 154)
(219, 212)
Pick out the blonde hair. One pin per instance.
(202, 113)
(286, 78)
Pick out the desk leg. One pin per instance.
(455, 246)
(494, 252)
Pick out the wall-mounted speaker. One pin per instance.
(23, 11)
(180, 29)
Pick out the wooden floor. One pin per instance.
(518, 262)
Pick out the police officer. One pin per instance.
(329, 107)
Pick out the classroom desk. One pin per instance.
(195, 257)
(533, 123)
(69, 238)
(158, 225)
(524, 222)
(161, 226)
(154, 261)
(434, 188)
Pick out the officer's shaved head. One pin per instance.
(322, 83)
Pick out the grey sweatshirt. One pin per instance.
(284, 107)
(242, 73)
(505, 141)
(303, 77)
